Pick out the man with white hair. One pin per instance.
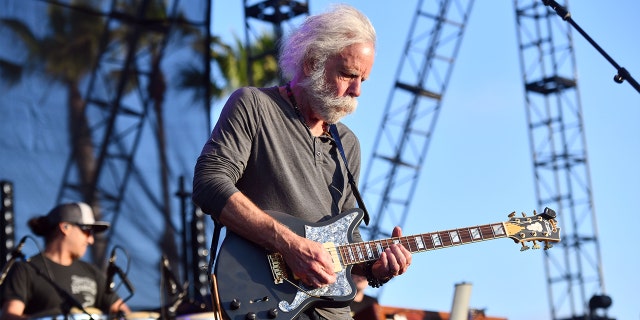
(271, 150)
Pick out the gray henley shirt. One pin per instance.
(261, 147)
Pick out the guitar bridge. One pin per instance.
(278, 267)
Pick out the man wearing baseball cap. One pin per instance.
(67, 230)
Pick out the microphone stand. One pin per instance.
(622, 74)
(173, 308)
(15, 254)
(7, 267)
(70, 299)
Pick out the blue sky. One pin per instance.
(478, 167)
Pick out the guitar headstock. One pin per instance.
(539, 227)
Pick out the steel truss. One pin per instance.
(281, 15)
(558, 147)
(412, 111)
(119, 103)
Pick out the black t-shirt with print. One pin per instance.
(29, 284)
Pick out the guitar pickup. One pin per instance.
(278, 268)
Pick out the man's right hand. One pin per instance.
(310, 261)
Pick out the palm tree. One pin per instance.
(171, 26)
(64, 55)
(233, 65)
(263, 70)
(67, 55)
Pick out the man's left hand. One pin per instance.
(394, 261)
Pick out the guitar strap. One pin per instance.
(333, 129)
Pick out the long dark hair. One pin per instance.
(41, 226)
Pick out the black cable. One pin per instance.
(123, 277)
(51, 280)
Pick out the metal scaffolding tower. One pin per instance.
(124, 88)
(412, 111)
(279, 14)
(558, 147)
(556, 138)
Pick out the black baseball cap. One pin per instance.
(78, 213)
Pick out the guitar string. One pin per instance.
(446, 240)
(446, 237)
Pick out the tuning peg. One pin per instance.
(536, 245)
(547, 245)
(512, 214)
(524, 247)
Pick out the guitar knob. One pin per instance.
(235, 304)
(250, 316)
(273, 313)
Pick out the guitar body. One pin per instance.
(245, 279)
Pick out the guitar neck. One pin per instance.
(359, 252)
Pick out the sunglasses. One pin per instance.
(88, 230)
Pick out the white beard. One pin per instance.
(324, 103)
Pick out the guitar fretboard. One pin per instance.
(355, 253)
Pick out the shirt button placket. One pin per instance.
(316, 146)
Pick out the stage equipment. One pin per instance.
(7, 233)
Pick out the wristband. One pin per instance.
(373, 281)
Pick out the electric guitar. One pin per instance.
(253, 283)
